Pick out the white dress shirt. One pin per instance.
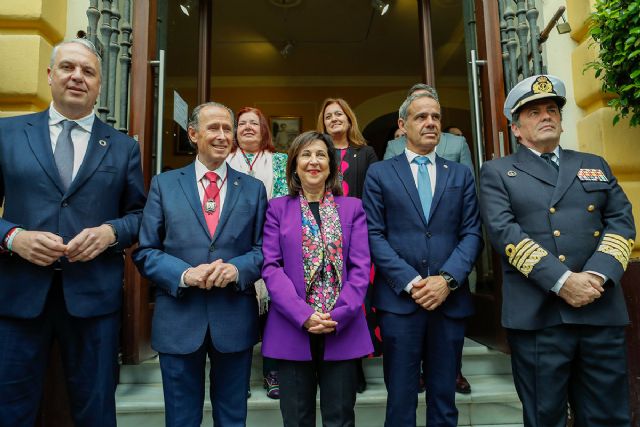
(431, 168)
(80, 135)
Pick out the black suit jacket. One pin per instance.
(358, 159)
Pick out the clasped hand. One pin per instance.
(430, 292)
(581, 289)
(206, 276)
(44, 248)
(320, 323)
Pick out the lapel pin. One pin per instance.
(102, 142)
(445, 166)
(511, 173)
(235, 183)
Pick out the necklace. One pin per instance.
(250, 163)
(209, 202)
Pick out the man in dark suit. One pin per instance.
(424, 236)
(451, 146)
(201, 244)
(73, 197)
(564, 230)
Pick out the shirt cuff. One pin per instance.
(182, 284)
(560, 283)
(411, 283)
(602, 276)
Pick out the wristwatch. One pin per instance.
(452, 283)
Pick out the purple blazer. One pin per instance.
(285, 336)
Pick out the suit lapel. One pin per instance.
(234, 187)
(531, 164)
(37, 131)
(442, 176)
(569, 166)
(97, 148)
(401, 165)
(189, 185)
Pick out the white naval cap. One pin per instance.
(533, 88)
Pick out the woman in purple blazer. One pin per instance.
(316, 267)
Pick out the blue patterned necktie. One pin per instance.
(424, 184)
(63, 153)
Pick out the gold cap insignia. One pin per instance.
(542, 85)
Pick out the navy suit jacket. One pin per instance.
(404, 244)
(108, 188)
(174, 236)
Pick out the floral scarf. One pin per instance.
(322, 254)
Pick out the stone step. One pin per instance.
(476, 360)
(492, 402)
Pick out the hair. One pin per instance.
(354, 136)
(194, 119)
(266, 144)
(84, 42)
(299, 143)
(423, 86)
(403, 112)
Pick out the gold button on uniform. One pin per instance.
(596, 233)
(591, 208)
(561, 258)
(556, 233)
(552, 210)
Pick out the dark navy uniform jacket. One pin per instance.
(543, 226)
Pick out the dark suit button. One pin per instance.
(211, 248)
(65, 204)
(428, 234)
(424, 261)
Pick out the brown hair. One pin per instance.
(267, 143)
(354, 136)
(293, 180)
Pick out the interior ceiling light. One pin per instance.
(185, 6)
(381, 6)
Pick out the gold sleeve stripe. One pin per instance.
(521, 251)
(525, 255)
(616, 246)
(622, 247)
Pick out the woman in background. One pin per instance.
(254, 154)
(354, 157)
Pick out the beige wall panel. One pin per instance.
(578, 12)
(617, 144)
(23, 77)
(47, 17)
(632, 190)
(587, 89)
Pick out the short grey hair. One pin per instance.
(426, 87)
(403, 112)
(84, 42)
(194, 119)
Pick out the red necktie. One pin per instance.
(211, 210)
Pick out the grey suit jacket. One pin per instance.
(451, 147)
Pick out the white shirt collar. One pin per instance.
(556, 152)
(86, 122)
(201, 169)
(411, 155)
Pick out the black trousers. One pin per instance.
(299, 382)
(585, 366)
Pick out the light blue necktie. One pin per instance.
(424, 184)
(63, 153)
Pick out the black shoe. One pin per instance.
(462, 385)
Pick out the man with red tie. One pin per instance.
(201, 244)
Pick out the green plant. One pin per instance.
(615, 27)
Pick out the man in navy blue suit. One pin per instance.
(201, 244)
(424, 235)
(73, 198)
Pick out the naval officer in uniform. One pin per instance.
(564, 230)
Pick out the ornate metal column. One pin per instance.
(125, 64)
(114, 48)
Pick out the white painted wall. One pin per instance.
(557, 53)
(76, 17)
